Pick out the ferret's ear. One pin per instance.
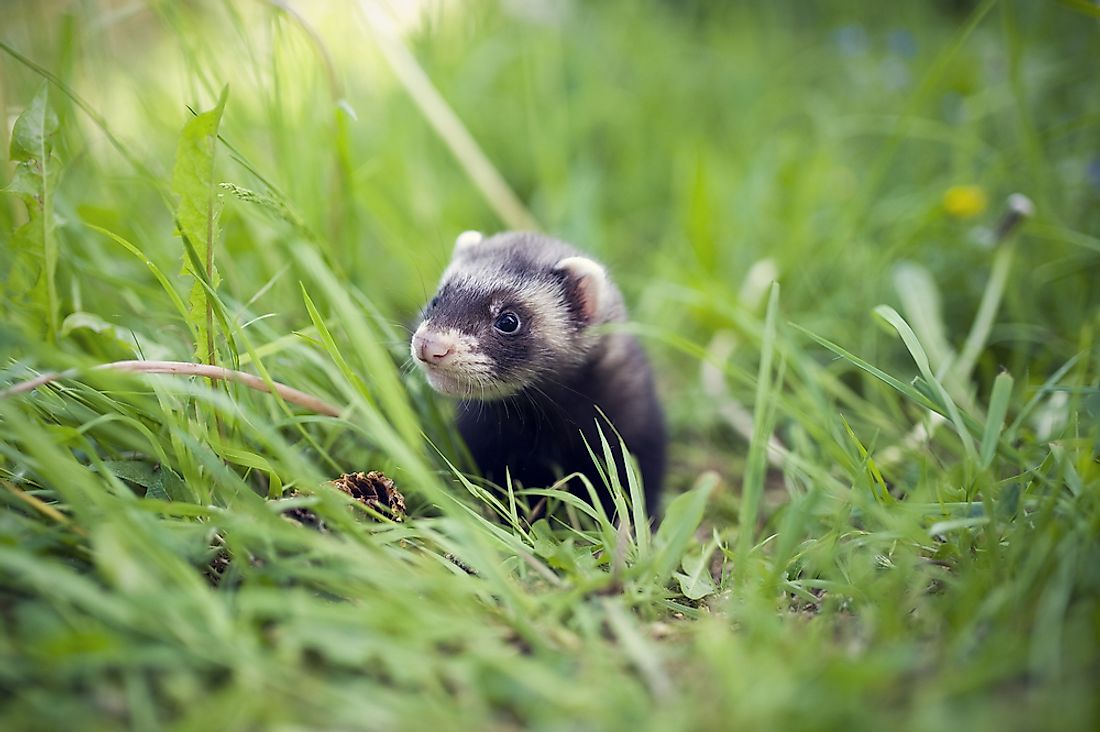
(589, 282)
(467, 240)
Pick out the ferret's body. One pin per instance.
(515, 332)
(537, 435)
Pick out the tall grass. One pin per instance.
(883, 501)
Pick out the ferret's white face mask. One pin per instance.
(495, 328)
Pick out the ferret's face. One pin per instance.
(479, 344)
(501, 323)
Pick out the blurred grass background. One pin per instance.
(858, 154)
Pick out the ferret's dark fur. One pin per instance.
(514, 332)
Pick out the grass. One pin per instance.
(883, 503)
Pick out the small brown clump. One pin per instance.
(375, 490)
(372, 489)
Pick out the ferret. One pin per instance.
(515, 333)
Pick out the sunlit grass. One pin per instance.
(882, 508)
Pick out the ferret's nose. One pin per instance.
(432, 348)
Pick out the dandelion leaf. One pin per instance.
(29, 263)
(197, 211)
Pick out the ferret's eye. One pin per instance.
(507, 323)
(433, 302)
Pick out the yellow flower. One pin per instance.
(964, 202)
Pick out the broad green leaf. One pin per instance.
(30, 137)
(197, 211)
(542, 538)
(159, 482)
(695, 579)
(31, 264)
(695, 586)
(682, 518)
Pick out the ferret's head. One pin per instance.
(512, 311)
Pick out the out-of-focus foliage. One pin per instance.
(883, 502)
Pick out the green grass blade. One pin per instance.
(901, 387)
(364, 341)
(891, 316)
(1048, 386)
(165, 284)
(987, 312)
(994, 425)
(756, 467)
